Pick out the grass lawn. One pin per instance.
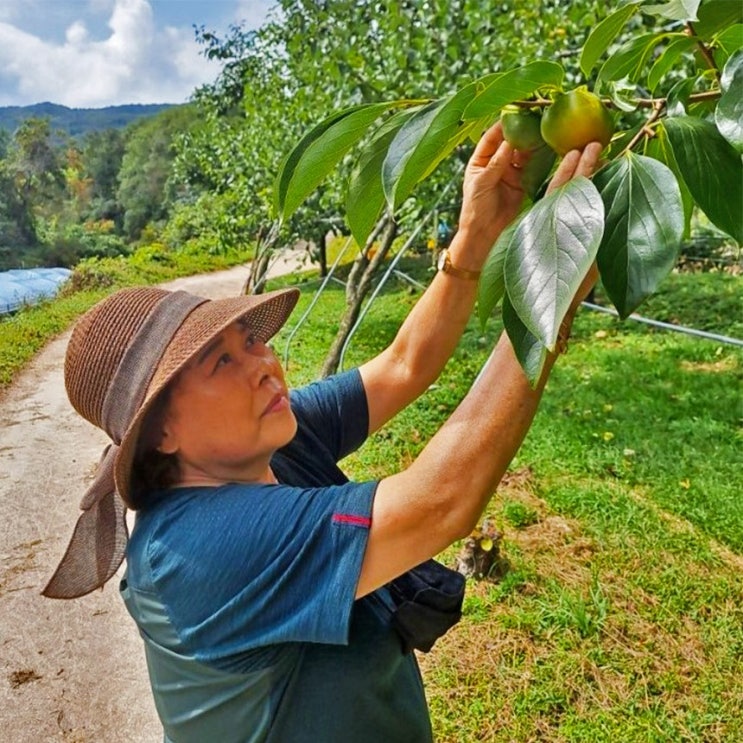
(618, 614)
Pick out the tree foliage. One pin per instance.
(31, 185)
(102, 153)
(673, 75)
(146, 168)
(35, 163)
(314, 56)
(64, 198)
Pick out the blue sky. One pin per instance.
(94, 53)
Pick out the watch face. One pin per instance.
(444, 255)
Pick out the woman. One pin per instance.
(259, 577)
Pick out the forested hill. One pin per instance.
(77, 121)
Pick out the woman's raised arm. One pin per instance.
(440, 497)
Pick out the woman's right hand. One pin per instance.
(576, 163)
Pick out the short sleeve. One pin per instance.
(337, 407)
(241, 567)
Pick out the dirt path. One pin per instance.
(69, 670)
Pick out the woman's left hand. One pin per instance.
(492, 190)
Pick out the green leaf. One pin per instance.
(675, 10)
(530, 351)
(550, 253)
(486, 80)
(423, 142)
(404, 143)
(600, 38)
(622, 94)
(630, 59)
(365, 195)
(644, 225)
(716, 15)
(479, 126)
(677, 100)
(320, 150)
(731, 39)
(731, 72)
(513, 86)
(667, 59)
(492, 285)
(659, 148)
(729, 111)
(712, 170)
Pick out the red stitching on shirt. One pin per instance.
(349, 518)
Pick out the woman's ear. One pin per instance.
(164, 428)
(157, 433)
(168, 441)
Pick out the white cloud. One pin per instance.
(77, 34)
(135, 63)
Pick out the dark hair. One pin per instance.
(151, 469)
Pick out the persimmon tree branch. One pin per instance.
(645, 130)
(707, 95)
(704, 50)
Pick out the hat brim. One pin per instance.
(265, 313)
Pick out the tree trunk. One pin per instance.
(257, 274)
(358, 285)
(322, 254)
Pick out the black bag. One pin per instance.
(428, 602)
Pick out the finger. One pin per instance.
(565, 170)
(589, 159)
(501, 160)
(488, 145)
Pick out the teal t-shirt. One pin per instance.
(244, 596)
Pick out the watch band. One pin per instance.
(447, 266)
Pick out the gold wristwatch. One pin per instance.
(447, 266)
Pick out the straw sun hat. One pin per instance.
(121, 355)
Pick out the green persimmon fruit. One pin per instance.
(536, 170)
(574, 119)
(521, 128)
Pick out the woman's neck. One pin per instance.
(196, 480)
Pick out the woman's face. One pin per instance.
(228, 412)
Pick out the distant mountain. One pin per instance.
(77, 121)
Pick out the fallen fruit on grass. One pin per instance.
(574, 119)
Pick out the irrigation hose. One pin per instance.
(668, 326)
(315, 299)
